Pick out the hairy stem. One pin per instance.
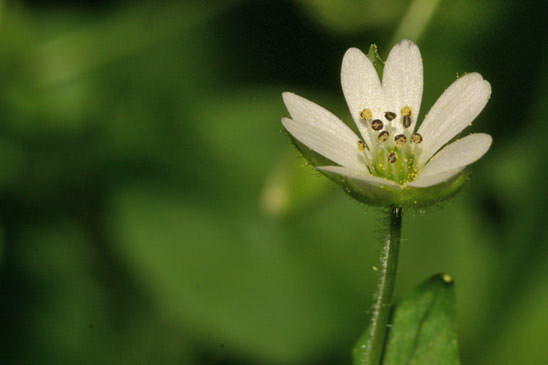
(369, 349)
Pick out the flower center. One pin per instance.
(393, 150)
(394, 163)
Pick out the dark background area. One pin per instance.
(153, 211)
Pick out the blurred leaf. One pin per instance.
(416, 19)
(12, 160)
(73, 311)
(227, 278)
(424, 326)
(352, 15)
(240, 130)
(130, 30)
(292, 186)
(522, 336)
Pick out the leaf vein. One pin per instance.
(422, 321)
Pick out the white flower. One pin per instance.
(390, 154)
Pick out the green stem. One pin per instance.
(369, 349)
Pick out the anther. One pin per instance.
(383, 136)
(376, 125)
(406, 121)
(366, 114)
(400, 139)
(390, 116)
(392, 157)
(406, 112)
(361, 146)
(417, 138)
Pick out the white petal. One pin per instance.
(322, 131)
(362, 176)
(456, 108)
(458, 154)
(429, 180)
(402, 81)
(362, 89)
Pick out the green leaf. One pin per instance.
(424, 326)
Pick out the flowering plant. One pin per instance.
(388, 160)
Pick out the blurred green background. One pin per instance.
(153, 211)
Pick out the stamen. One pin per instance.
(376, 125)
(366, 114)
(417, 138)
(392, 157)
(390, 116)
(406, 112)
(400, 139)
(383, 136)
(362, 146)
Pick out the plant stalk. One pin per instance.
(370, 346)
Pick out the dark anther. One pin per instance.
(417, 138)
(400, 139)
(383, 136)
(406, 121)
(377, 124)
(392, 157)
(390, 115)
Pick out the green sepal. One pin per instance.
(376, 60)
(423, 329)
(385, 195)
(400, 196)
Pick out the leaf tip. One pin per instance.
(447, 279)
